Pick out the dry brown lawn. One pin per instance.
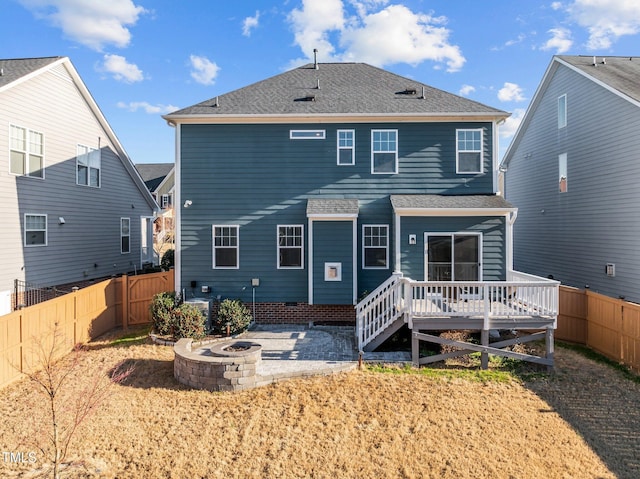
(581, 422)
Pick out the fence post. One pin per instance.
(125, 301)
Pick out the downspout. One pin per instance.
(177, 225)
(310, 259)
(510, 219)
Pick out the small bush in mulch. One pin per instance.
(168, 260)
(232, 313)
(171, 317)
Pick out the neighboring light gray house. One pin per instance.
(310, 189)
(573, 169)
(73, 205)
(160, 180)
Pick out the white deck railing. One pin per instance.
(522, 296)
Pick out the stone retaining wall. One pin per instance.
(214, 369)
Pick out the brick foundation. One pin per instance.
(301, 313)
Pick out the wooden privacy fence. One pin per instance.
(607, 325)
(81, 316)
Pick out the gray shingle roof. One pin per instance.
(153, 173)
(620, 73)
(450, 202)
(338, 89)
(330, 206)
(13, 69)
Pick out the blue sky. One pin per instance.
(144, 58)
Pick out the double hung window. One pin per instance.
(469, 151)
(290, 245)
(375, 245)
(35, 230)
(26, 152)
(225, 247)
(346, 147)
(384, 151)
(125, 235)
(88, 166)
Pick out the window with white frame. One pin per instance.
(384, 151)
(225, 247)
(88, 166)
(26, 152)
(307, 134)
(165, 201)
(125, 235)
(290, 246)
(563, 186)
(375, 246)
(469, 151)
(35, 230)
(562, 111)
(346, 147)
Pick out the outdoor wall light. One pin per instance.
(188, 203)
(61, 220)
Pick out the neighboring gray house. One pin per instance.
(73, 205)
(160, 180)
(573, 168)
(310, 189)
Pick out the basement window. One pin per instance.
(307, 134)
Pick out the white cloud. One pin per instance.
(147, 107)
(117, 66)
(249, 24)
(511, 124)
(394, 34)
(91, 23)
(204, 71)
(606, 20)
(560, 40)
(466, 90)
(510, 92)
(556, 5)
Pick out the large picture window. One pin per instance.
(469, 151)
(290, 246)
(375, 245)
(225, 247)
(35, 230)
(26, 152)
(384, 151)
(88, 166)
(346, 147)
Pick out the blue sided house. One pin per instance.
(343, 192)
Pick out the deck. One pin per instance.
(523, 302)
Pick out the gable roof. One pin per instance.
(619, 75)
(18, 70)
(336, 89)
(153, 174)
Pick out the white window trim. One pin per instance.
(123, 235)
(26, 152)
(373, 152)
(164, 201)
(46, 230)
(458, 151)
(352, 148)
(301, 247)
(562, 114)
(89, 149)
(562, 162)
(453, 235)
(307, 134)
(364, 248)
(213, 246)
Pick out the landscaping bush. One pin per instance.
(168, 260)
(234, 313)
(174, 318)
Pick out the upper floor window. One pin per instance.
(35, 230)
(225, 247)
(290, 246)
(375, 244)
(26, 152)
(346, 147)
(384, 151)
(562, 111)
(307, 134)
(88, 166)
(469, 151)
(125, 235)
(562, 173)
(165, 201)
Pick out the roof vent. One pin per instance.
(1, 72)
(315, 58)
(216, 104)
(306, 98)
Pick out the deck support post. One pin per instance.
(484, 356)
(415, 350)
(549, 347)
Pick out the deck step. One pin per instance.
(386, 334)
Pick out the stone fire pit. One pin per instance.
(227, 365)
